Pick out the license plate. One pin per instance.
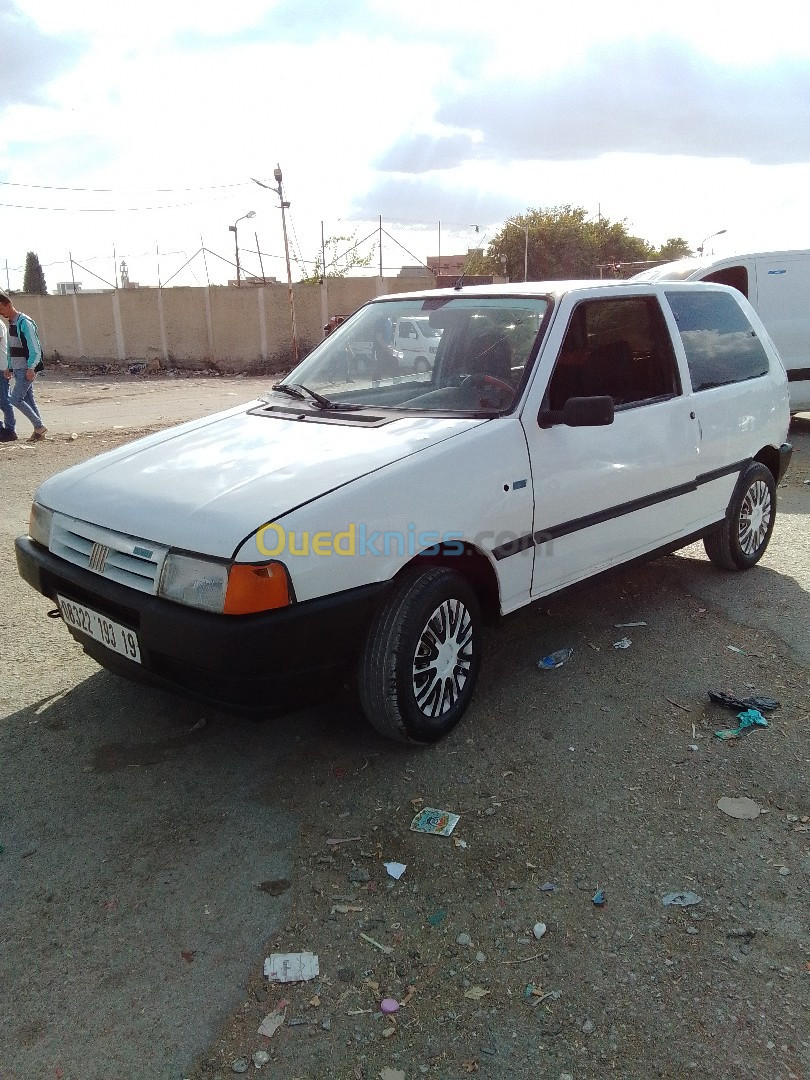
(112, 634)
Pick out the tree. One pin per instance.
(34, 279)
(341, 257)
(675, 248)
(562, 242)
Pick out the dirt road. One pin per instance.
(152, 861)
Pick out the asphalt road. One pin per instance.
(148, 848)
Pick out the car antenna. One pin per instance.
(460, 281)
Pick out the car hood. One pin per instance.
(206, 485)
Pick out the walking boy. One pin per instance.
(24, 353)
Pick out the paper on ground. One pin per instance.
(291, 967)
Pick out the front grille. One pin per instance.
(114, 556)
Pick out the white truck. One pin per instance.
(777, 285)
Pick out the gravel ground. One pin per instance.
(602, 776)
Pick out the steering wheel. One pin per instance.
(479, 379)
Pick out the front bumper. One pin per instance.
(270, 662)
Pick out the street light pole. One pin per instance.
(285, 206)
(710, 237)
(232, 228)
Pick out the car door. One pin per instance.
(608, 493)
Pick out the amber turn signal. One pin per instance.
(256, 588)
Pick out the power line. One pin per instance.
(108, 191)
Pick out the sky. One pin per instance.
(136, 132)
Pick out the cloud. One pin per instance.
(406, 200)
(31, 59)
(652, 97)
(658, 98)
(426, 153)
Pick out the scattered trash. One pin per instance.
(538, 995)
(272, 1022)
(459, 843)
(260, 1058)
(437, 917)
(549, 886)
(395, 869)
(784, 871)
(763, 704)
(620, 625)
(291, 967)
(137, 369)
(680, 899)
(744, 809)
(389, 1005)
(555, 659)
(74, 436)
(344, 909)
(693, 746)
(343, 840)
(463, 939)
(599, 898)
(749, 720)
(678, 705)
(476, 993)
(377, 945)
(392, 1074)
(733, 648)
(623, 643)
(435, 822)
(539, 929)
(240, 1065)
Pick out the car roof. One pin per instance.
(554, 289)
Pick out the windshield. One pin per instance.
(462, 354)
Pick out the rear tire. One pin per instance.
(421, 657)
(421, 366)
(740, 542)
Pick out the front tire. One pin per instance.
(421, 657)
(740, 542)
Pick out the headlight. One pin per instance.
(39, 524)
(229, 588)
(200, 583)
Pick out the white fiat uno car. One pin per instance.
(352, 528)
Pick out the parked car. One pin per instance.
(777, 284)
(362, 532)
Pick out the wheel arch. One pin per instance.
(473, 565)
(769, 457)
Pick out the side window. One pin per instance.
(736, 276)
(721, 345)
(619, 348)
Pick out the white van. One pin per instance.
(777, 285)
(417, 341)
(362, 528)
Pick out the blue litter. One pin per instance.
(549, 886)
(599, 898)
(749, 720)
(555, 659)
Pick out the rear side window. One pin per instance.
(721, 345)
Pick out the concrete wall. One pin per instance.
(232, 329)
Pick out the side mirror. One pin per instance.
(579, 412)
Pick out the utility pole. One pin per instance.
(285, 206)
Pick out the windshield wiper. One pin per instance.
(298, 390)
